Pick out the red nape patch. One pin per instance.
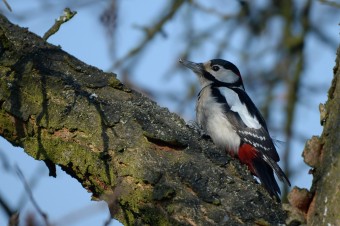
(246, 154)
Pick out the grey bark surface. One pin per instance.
(144, 161)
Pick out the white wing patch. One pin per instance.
(237, 106)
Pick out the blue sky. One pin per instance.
(85, 38)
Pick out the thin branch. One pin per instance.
(212, 11)
(296, 49)
(30, 194)
(151, 32)
(68, 14)
(8, 210)
(7, 5)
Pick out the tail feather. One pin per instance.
(266, 175)
(278, 171)
(263, 167)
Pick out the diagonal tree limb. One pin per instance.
(143, 160)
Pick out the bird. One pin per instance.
(225, 112)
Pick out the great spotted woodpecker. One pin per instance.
(227, 114)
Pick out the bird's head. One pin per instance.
(217, 71)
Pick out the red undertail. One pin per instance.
(247, 154)
(259, 167)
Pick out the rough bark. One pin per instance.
(320, 204)
(143, 160)
(324, 208)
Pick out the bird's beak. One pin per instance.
(195, 67)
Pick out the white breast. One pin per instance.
(210, 115)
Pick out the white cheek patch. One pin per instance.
(223, 75)
(237, 106)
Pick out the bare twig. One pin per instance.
(212, 11)
(109, 19)
(7, 5)
(68, 14)
(7, 209)
(151, 32)
(30, 194)
(296, 49)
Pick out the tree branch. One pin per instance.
(143, 160)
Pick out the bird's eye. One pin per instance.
(215, 68)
